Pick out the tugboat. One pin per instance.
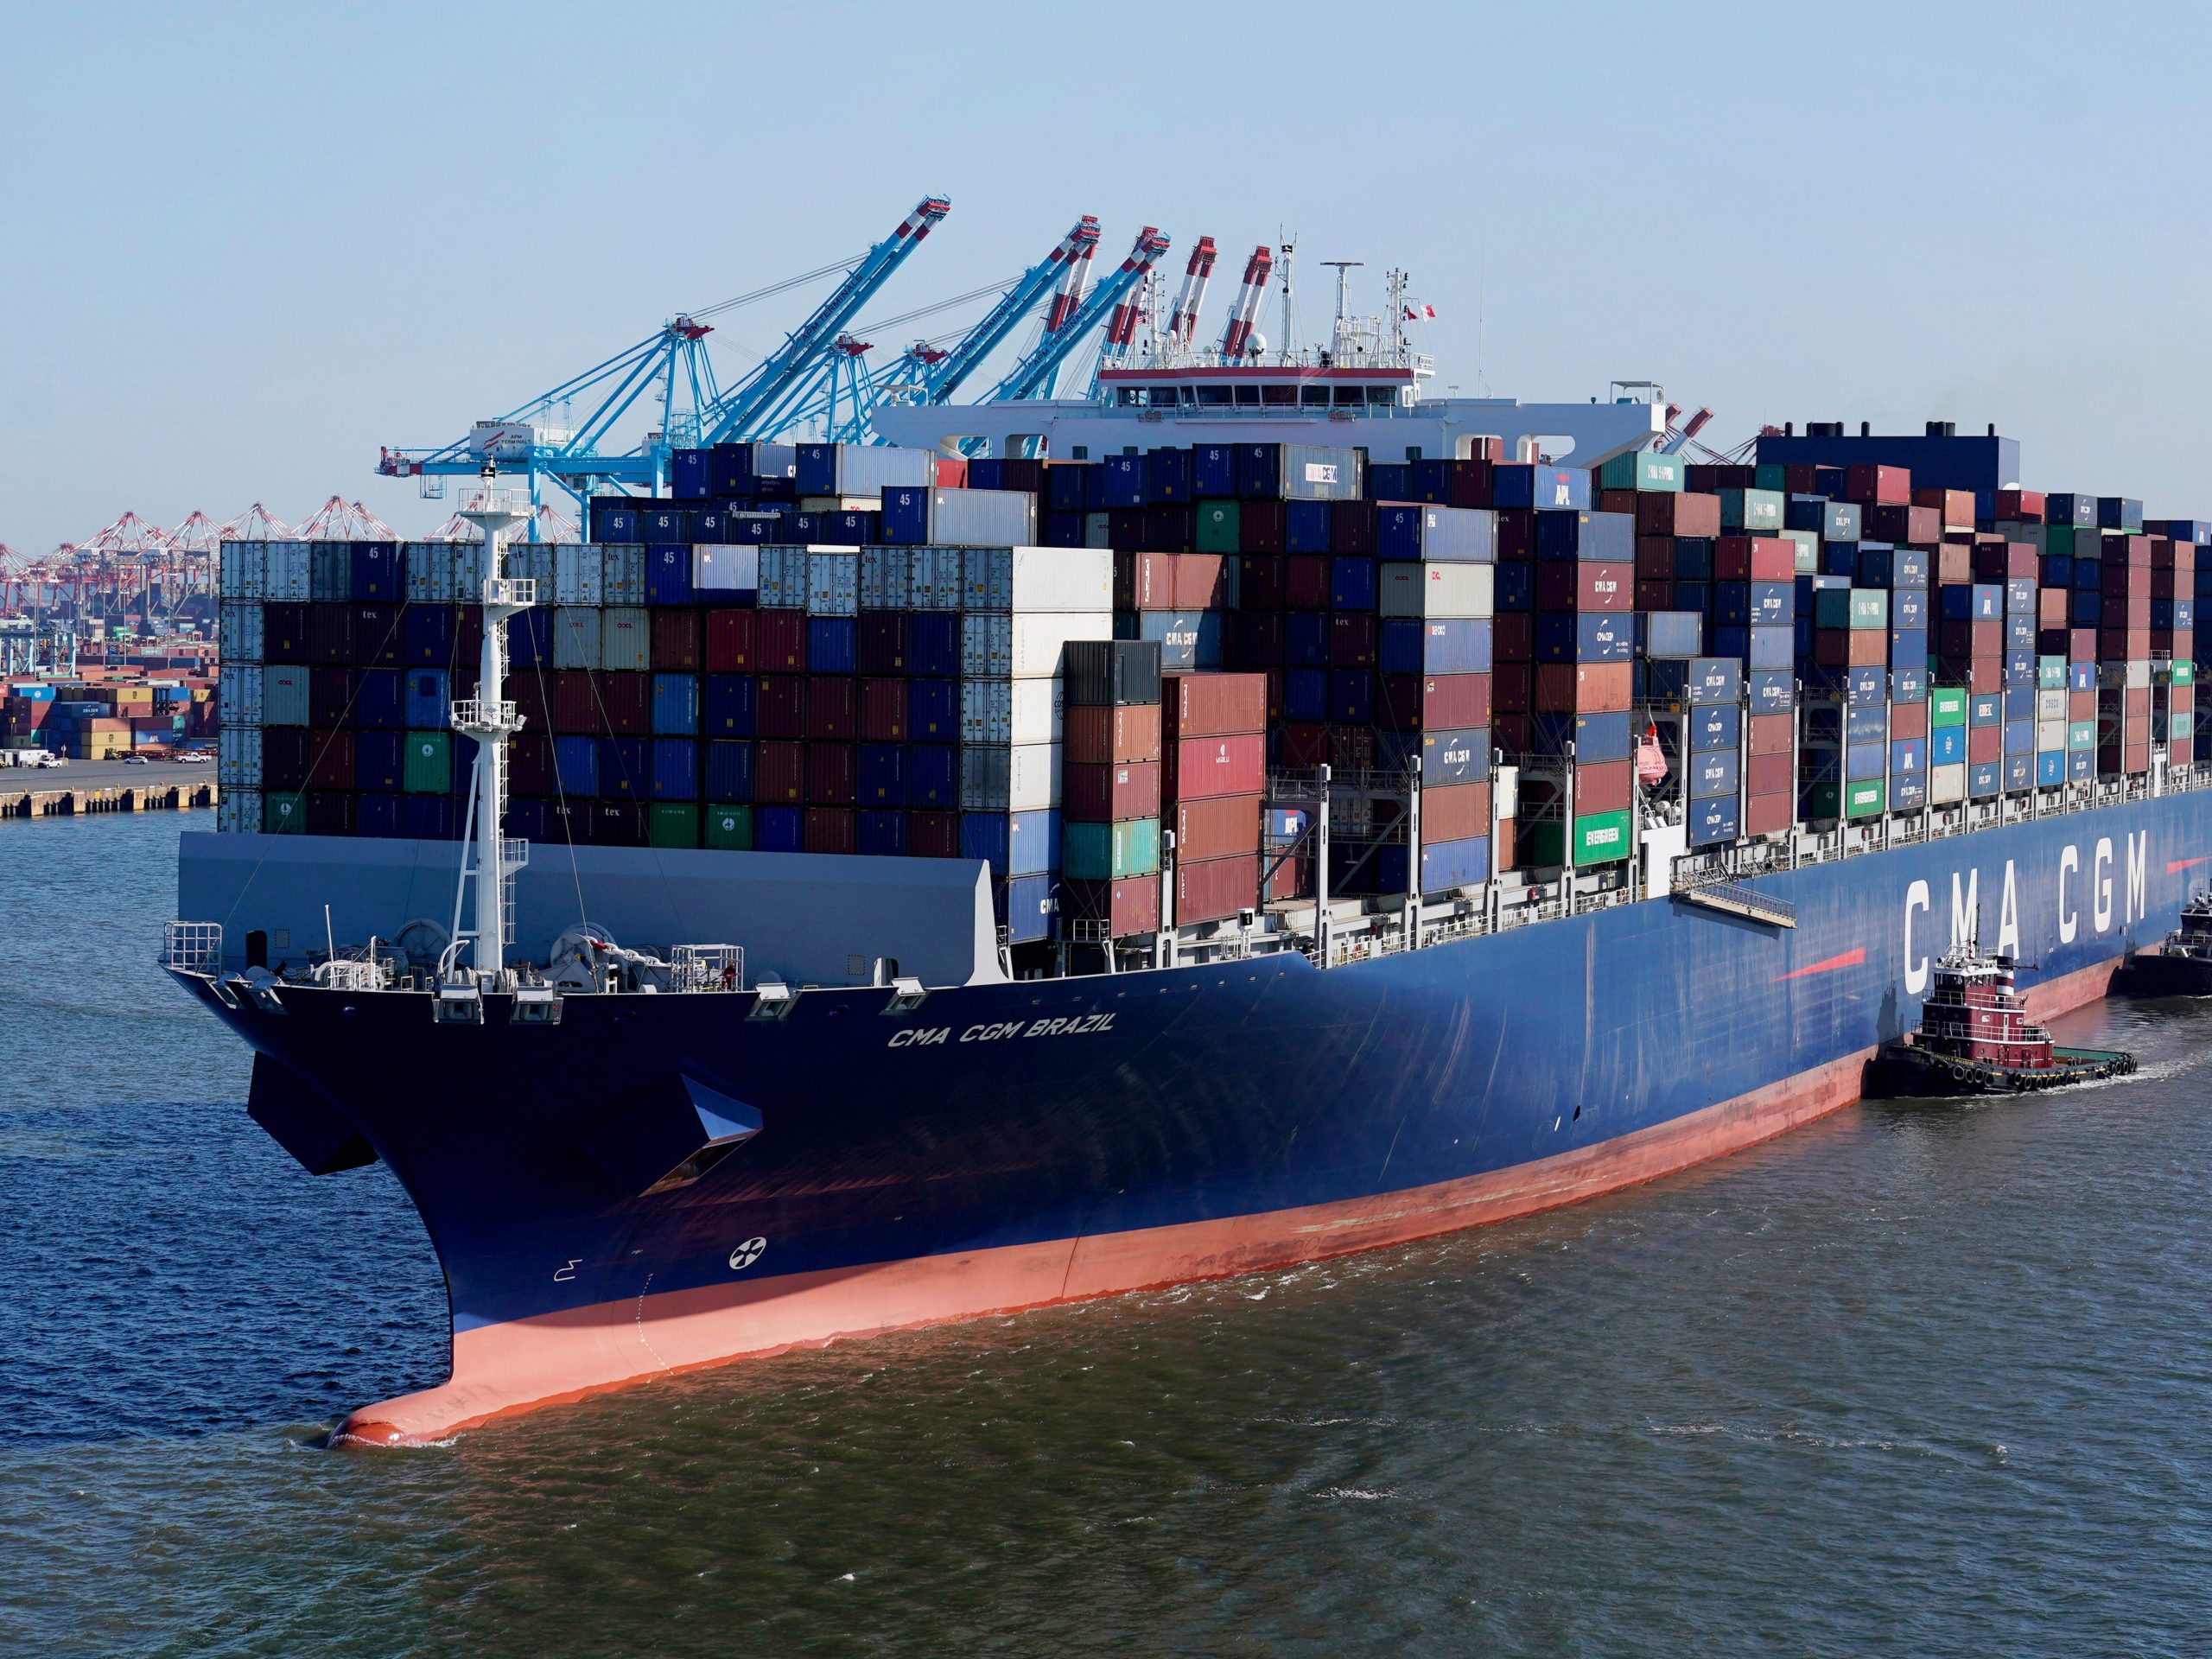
(1975, 1038)
(2183, 966)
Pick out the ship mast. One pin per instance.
(487, 859)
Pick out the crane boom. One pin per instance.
(1033, 376)
(750, 408)
(1249, 298)
(944, 377)
(1183, 321)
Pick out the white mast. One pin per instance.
(488, 859)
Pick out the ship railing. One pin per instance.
(191, 947)
(706, 968)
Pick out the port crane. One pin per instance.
(1074, 316)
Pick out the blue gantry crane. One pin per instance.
(1037, 375)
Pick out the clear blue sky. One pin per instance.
(245, 244)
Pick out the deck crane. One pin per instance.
(761, 405)
(1238, 330)
(1182, 321)
(1036, 375)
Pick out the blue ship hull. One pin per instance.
(1011, 1145)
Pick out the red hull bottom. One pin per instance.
(504, 1369)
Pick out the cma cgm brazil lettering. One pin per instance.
(804, 965)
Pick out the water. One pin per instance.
(1923, 1379)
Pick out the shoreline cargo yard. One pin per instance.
(871, 886)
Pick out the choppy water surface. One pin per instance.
(1917, 1379)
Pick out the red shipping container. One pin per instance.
(2138, 703)
(1171, 526)
(1501, 846)
(1306, 587)
(1771, 733)
(1435, 702)
(1721, 475)
(827, 830)
(1985, 674)
(1768, 815)
(1353, 637)
(531, 693)
(1457, 811)
(1754, 558)
(1985, 744)
(1255, 638)
(1654, 556)
(1654, 594)
(1352, 526)
(1276, 678)
(2081, 645)
(781, 711)
(330, 696)
(1128, 907)
(1351, 748)
(779, 773)
(1215, 889)
(780, 641)
(1517, 534)
(1512, 636)
(1659, 514)
(468, 641)
(1601, 788)
(1469, 482)
(2024, 506)
(1889, 485)
(1211, 705)
(883, 642)
(1908, 719)
(832, 708)
(933, 835)
(1576, 689)
(330, 634)
(883, 710)
(1850, 647)
(575, 707)
(1223, 827)
(1098, 736)
(1263, 581)
(1954, 509)
(1954, 564)
(676, 640)
(832, 774)
(1202, 582)
(332, 766)
(1199, 767)
(1767, 774)
(1303, 743)
(377, 642)
(1293, 878)
(1583, 585)
(1612, 500)
(1261, 525)
(1144, 581)
(1511, 686)
(1091, 793)
(1511, 733)
(530, 766)
(2050, 613)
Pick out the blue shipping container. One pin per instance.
(1440, 647)
(1012, 844)
(778, 829)
(676, 705)
(932, 775)
(728, 706)
(575, 766)
(1712, 820)
(625, 768)
(728, 773)
(1713, 772)
(880, 833)
(883, 775)
(428, 707)
(1716, 726)
(1351, 583)
(675, 769)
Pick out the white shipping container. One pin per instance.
(576, 641)
(429, 567)
(782, 578)
(1505, 792)
(242, 570)
(530, 562)
(2051, 705)
(1438, 590)
(239, 631)
(238, 695)
(2050, 735)
(1025, 578)
(578, 575)
(833, 582)
(284, 695)
(725, 569)
(622, 573)
(840, 503)
(330, 570)
(1008, 712)
(2138, 673)
(238, 812)
(885, 574)
(1947, 786)
(467, 571)
(982, 518)
(626, 641)
(291, 572)
(1009, 777)
(933, 582)
(238, 757)
(998, 647)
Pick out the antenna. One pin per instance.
(1289, 246)
(1343, 267)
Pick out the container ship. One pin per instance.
(1253, 814)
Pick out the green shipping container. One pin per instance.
(1643, 469)
(1599, 838)
(2050, 673)
(1859, 800)
(1757, 513)
(673, 824)
(1870, 608)
(2081, 734)
(1947, 706)
(1865, 799)
(729, 828)
(1773, 476)
(284, 814)
(2072, 541)
(1110, 852)
(1808, 543)
(429, 763)
(1220, 525)
(2180, 671)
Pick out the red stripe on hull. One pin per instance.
(503, 1370)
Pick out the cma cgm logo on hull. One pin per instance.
(2104, 879)
(1072, 1024)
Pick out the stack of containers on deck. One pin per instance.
(1582, 643)
(1214, 763)
(1110, 787)
(2174, 561)
(2123, 636)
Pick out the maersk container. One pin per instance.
(1010, 712)
(239, 631)
(1454, 535)
(238, 757)
(579, 570)
(242, 570)
(626, 641)
(1714, 819)
(861, 469)
(289, 572)
(578, 637)
(284, 699)
(1037, 579)
(998, 777)
(1441, 591)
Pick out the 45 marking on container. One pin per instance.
(746, 1254)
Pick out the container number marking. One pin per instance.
(746, 1254)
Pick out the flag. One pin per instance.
(1419, 311)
